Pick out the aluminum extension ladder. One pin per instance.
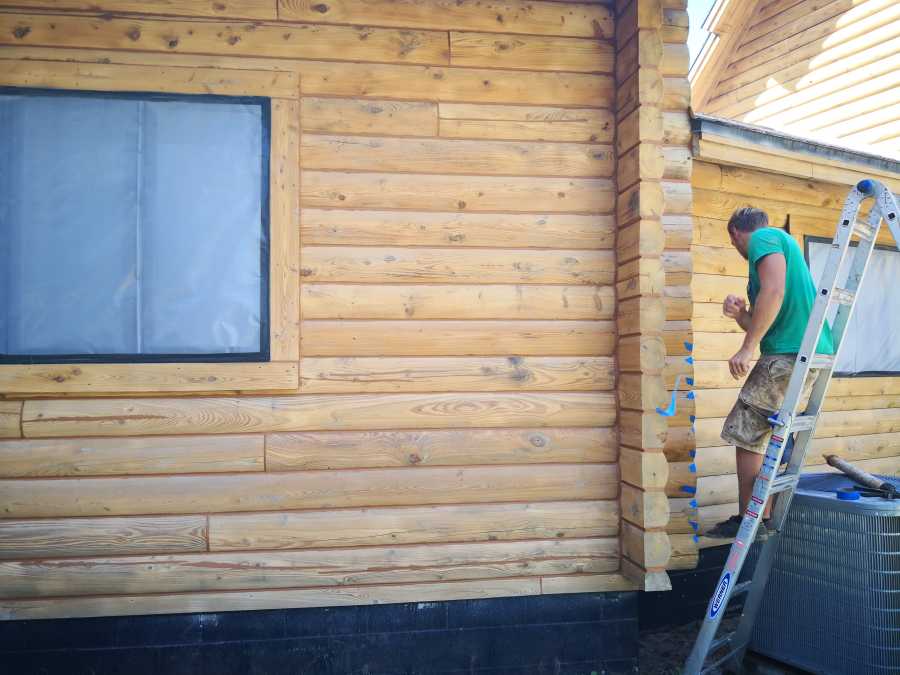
(729, 649)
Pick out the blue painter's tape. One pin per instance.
(693, 468)
(689, 346)
(694, 524)
(693, 418)
(693, 453)
(689, 360)
(693, 503)
(690, 381)
(690, 489)
(690, 396)
(696, 538)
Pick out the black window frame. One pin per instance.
(264, 353)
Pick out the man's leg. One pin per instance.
(748, 466)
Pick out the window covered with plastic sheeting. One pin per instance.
(133, 227)
(870, 345)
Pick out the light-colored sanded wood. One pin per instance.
(348, 375)
(586, 583)
(641, 277)
(311, 41)
(678, 266)
(675, 60)
(645, 580)
(644, 508)
(324, 189)
(49, 538)
(413, 525)
(640, 314)
(643, 51)
(644, 87)
(358, 116)
(681, 514)
(111, 456)
(375, 80)
(443, 156)
(526, 123)
(643, 161)
(646, 470)
(458, 338)
(713, 288)
(643, 200)
(716, 490)
(645, 124)
(677, 165)
(237, 571)
(685, 554)
(10, 419)
(275, 599)
(676, 93)
(111, 378)
(641, 353)
(717, 346)
(460, 230)
(452, 447)
(123, 417)
(456, 301)
(647, 548)
(241, 9)
(679, 230)
(509, 16)
(172, 78)
(678, 196)
(640, 391)
(305, 490)
(380, 265)
(641, 239)
(558, 54)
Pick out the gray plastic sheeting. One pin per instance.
(129, 226)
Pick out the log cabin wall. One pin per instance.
(862, 418)
(453, 434)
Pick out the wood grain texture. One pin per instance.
(115, 378)
(451, 447)
(122, 456)
(242, 9)
(359, 116)
(515, 373)
(441, 156)
(65, 497)
(525, 123)
(10, 419)
(122, 417)
(53, 538)
(521, 52)
(287, 599)
(503, 16)
(238, 571)
(458, 338)
(413, 525)
(459, 230)
(308, 41)
(456, 301)
(170, 78)
(328, 189)
(586, 583)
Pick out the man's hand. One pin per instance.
(739, 364)
(733, 307)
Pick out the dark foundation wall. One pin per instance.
(578, 634)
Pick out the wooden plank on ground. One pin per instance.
(117, 378)
(117, 456)
(309, 41)
(242, 571)
(349, 375)
(158, 495)
(509, 16)
(459, 230)
(456, 301)
(166, 416)
(360, 116)
(450, 447)
(413, 525)
(455, 156)
(422, 192)
(458, 338)
(239, 9)
(526, 123)
(10, 419)
(276, 599)
(143, 535)
(440, 265)
(519, 52)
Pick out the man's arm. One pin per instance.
(736, 308)
(772, 272)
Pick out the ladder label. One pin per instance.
(756, 500)
(719, 597)
(753, 514)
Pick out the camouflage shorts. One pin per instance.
(747, 425)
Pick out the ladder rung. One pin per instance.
(785, 482)
(822, 361)
(803, 422)
(742, 587)
(722, 659)
(863, 230)
(842, 296)
(720, 642)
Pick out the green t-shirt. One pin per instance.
(786, 333)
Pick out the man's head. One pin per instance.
(743, 223)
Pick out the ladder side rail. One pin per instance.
(887, 202)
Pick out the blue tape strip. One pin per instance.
(693, 453)
(694, 524)
(689, 346)
(689, 359)
(693, 468)
(690, 489)
(693, 503)
(690, 381)
(696, 538)
(693, 418)
(690, 396)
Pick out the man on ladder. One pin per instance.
(782, 293)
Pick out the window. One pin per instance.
(870, 345)
(133, 227)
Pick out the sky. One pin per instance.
(697, 11)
